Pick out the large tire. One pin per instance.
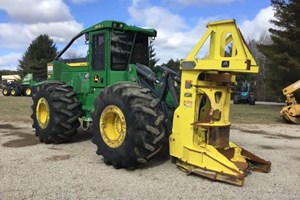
(6, 91)
(252, 101)
(15, 91)
(55, 113)
(236, 99)
(27, 91)
(127, 125)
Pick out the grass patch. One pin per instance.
(258, 114)
(15, 109)
(19, 109)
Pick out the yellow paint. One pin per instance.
(78, 64)
(28, 92)
(5, 91)
(43, 113)
(98, 26)
(219, 34)
(112, 125)
(13, 92)
(291, 111)
(206, 109)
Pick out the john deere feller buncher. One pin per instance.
(291, 112)
(132, 110)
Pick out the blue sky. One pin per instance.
(180, 23)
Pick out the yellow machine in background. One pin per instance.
(200, 139)
(291, 112)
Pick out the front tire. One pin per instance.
(27, 91)
(127, 125)
(55, 113)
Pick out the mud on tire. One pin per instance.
(63, 108)
(144, 129)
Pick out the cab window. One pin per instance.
(98, 49)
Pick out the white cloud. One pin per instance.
(32, 18)
(31, 11)
(253, 29)
(154, 16)
(58, 31)
(50, 17)
(174, 38)
(10, 61)
(11, 38)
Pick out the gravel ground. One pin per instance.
(30, 170)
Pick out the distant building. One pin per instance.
(9, 78)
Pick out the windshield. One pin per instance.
(76, 52)
(27, 77)
(122, 52)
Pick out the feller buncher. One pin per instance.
(291, 112)
(132, 110)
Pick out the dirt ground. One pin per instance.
(31, 170)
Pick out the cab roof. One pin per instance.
(111, 24)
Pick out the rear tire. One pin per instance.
(127, 125)
(236, 99)
(252, 101)
(6, 91)
(55, 113)
(15, 91)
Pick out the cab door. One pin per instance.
(98, 54)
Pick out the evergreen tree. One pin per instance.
(41, 51)
(152, 56)
(173, 64)
(283, 54)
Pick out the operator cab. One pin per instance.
(107, 48)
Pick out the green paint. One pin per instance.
(113, 50)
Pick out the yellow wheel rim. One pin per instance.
(42, 113)
(13, 92)
(5, 92)
(112, 125)
(28, 91)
